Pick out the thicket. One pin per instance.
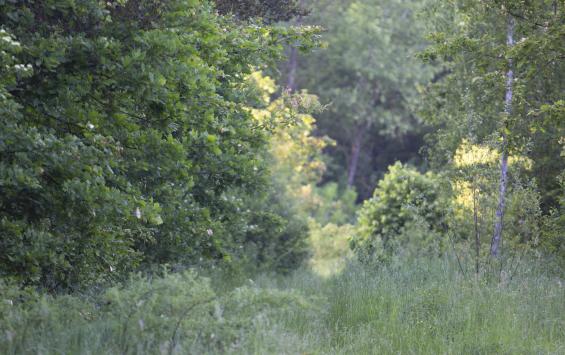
(168, 313)
(496, 106)
(128, 139)
(145, 143)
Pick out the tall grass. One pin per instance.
(427, 307)
(424, 306)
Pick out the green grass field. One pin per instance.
(420, 307)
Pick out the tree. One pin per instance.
(124, 125)
(496, 238)
(500, 92)
(271, 222)
(368, 76)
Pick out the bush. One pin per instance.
(171, 314)
(269, 231)
(405, 214)
(122, 125)
(270, 224)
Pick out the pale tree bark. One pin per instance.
(499, 217)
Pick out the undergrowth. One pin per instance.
(424, 306)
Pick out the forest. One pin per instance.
(282, 177)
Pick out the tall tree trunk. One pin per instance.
(293, 59)
(498, 224)
(292, 66)
(355, 152)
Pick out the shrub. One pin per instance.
(269, 231)
(270, 224)
(406, 213)
(475, 185)
(172, 314)
(122, 125)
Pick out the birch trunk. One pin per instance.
(499, 217)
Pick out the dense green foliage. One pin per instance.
(123, 127)
(553, 225)
(267, 10)
(406, 215)
(160, 193)
(470, 44)
(369, 77)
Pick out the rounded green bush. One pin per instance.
(404, 216)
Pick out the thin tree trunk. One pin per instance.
(293, 60)
(292, 66)
(355, 152)
(498, 225)
(477, 230)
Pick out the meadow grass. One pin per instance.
(429, 307)
(418, 307)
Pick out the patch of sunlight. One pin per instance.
(469, 155)
(330, 244)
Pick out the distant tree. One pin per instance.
(268, 10)
(368, 76)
